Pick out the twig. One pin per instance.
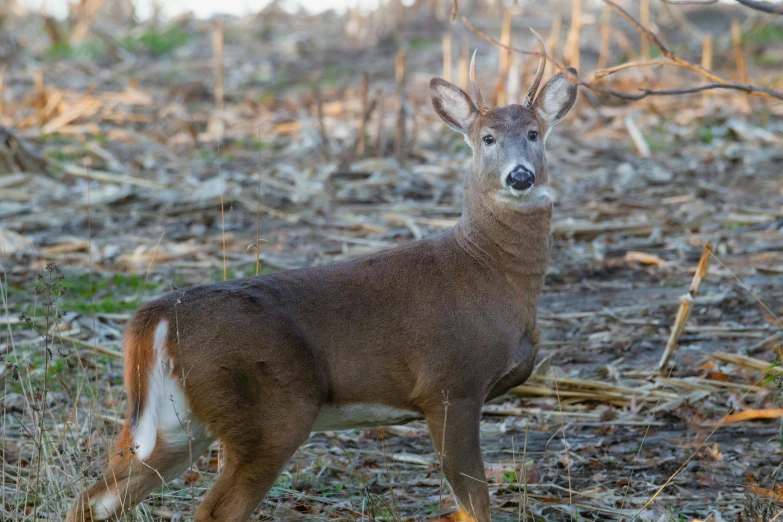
(399, 136)
(222, 217)
(637, 138)
(692, 455)
(94, 347)
(217, 50)
(258, 209)
(454, 11)
(319, 104)
(602, 73)
(762, 6)
(361, 138)
(718, 81)
(565, 446)
(379, 148)
(495, 42)
(775, 413)
(689, 2)
(686, 303)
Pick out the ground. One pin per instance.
(121, 180)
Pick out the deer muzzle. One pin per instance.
(521, 178)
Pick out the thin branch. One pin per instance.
(602, 73)
(687, 65)
(454, 11)
(690, 90)
(717, 82)
(495, 42)
(689, 2)
(762, 6)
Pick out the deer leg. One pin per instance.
(454, 429)
(253, 464)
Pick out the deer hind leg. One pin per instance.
(127, 480)
(455, 433)
(254, 460)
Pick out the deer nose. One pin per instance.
(521, 178)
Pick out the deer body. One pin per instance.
(428, 330)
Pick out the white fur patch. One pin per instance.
(174, 412)
(167, 410)
(456, 106)
(352, 416)
(554, 99)
(146, 430)
(534, 197)
(104, 505)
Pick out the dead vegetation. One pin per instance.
(127, 164)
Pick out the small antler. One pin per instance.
(531, 93)
(482, 105)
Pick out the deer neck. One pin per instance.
(511, 239)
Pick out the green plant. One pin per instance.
(706, 134)
(418, 43)
(49, 288)
(157, 42)
(764, 35)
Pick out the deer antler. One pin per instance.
(482, 105)
(531, 93)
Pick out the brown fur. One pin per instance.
(449, 317)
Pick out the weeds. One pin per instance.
(157, 42)
(49, 288)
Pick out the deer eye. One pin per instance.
(488, 139)
(532, 135)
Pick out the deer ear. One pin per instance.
(555, 100)
(452, 105)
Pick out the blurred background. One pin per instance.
(146, 146)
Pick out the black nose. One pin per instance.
(520, 178)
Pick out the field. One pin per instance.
(143, 157)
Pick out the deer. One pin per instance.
(427, 330)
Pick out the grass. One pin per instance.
(157, 42)
(418, 43)
(89, 50)
(706, 134)
(768, 34)
(54, 402)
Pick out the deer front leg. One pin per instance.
(454, 428)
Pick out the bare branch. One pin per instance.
(689, 2)
(687, 65)
(673, 60)
(762, 6)
(454, 11)
(495, 42)
(602, 73)
(689, 90)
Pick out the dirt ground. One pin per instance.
(118, 167)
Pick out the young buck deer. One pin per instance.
(430, 330)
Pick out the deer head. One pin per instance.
(509, 161)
